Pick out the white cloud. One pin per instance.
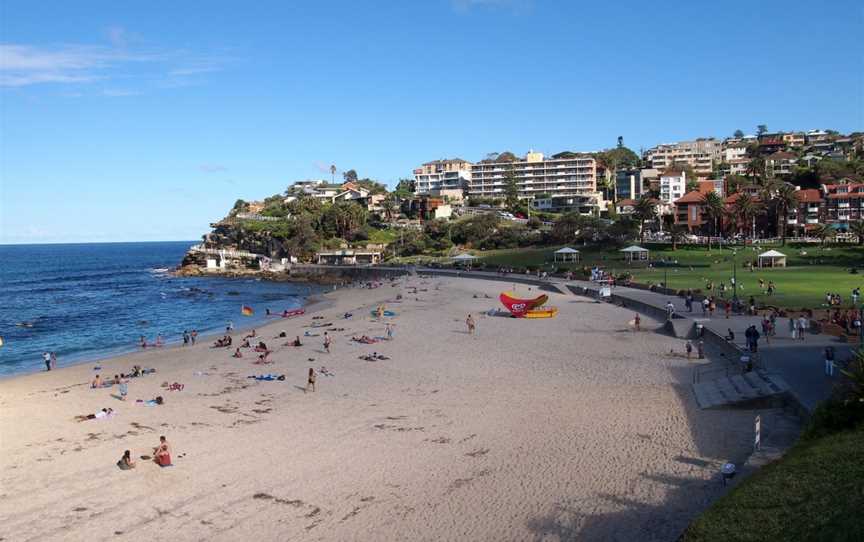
(23, 65)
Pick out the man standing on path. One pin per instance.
(670, 310)
(802, 326)
(705, 304)
(47, 358)
(829, 361)
(856, 294)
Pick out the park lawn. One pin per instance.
(813, 493)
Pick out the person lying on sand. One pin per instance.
(237, 354)
(126, 462)
(374, 356)
(104, 413)
(365, 339)
(325, 371)
(162, 453)
(152, 402)
(347, 315)
(281, 335)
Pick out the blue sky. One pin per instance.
(146, 120)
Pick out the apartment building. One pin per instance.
(628, 184)
(700, 154)
(673, 185)
(808, 213)
(446, 174)
(570, 179)
(844, 203)
(780, 164)
(794, 140)
(734, 155)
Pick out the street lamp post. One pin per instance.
(734, 279)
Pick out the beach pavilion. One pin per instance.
(464, 258)
(772, 258)
(635, 253)
(566, 254)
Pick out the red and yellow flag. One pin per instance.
(246, 310)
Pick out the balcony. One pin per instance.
(812, 220)
(812, 209)
(843, 205)
(792, 221)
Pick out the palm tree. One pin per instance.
(714, 209)
(645, 209)
(677, 232)
(823, 232)
(858, 229)
(390, 206)
(785, 198)
(756, 167)
(745, 211)
(333, 174)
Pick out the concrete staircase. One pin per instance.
(738, 389)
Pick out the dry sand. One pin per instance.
(570, 428)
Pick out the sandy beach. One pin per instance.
(559, 429)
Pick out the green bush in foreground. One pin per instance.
(816, 492)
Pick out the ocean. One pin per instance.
(91, 301)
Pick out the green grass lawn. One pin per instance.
(812, 271)
(815, 492)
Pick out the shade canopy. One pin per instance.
(634, 248)
(772, 258)
(567, 254)
(634, 252)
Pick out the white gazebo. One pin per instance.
(772, 258)
(566, 254)
(635, 253)
(464, 258)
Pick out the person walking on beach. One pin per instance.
(470, 323)
(310, 381)
(47, 358)
(636, 322)
(229, 327)
(802, 325)
(327, 341)
(389, 327)
(193, 336)
(185, 337)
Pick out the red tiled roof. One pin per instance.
(694, 196)
(706, 187)
(671, 172)
(809, 195)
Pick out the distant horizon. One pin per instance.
(97, 242)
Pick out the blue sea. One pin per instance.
(91, 301)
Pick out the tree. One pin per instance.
(677, 233)
(785, 198)
(761, 129)
(738, 134)
(567, 227)
(404, 189)
(390, 206)
(350, 176)
(511, 189)
(692, 184)
(756, 167)
(858, 229)
(745, 211)
(714, 209)
(823, 232)
(644, 210)
(333, 174)
(620, 142)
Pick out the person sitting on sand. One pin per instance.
(281, 335)
(245, 344)
(261, 347)
(162, 453)
(126, 462)
(297, 341)
(251, 335)
(97, 382)
(136, 370)
(237, 354)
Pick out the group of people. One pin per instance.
(835, 300)
(223, 342)
(142, 342)
(161, 456)
(189, 337)
(118, 380)
(849, 320)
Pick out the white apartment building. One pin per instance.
(700, 154)
(735, 155)
(447, 174)
(571, 176)
(673, 185)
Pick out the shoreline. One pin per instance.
(307, 302)
(572, 425)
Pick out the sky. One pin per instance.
(145, 121)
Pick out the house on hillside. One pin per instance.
(807, 214)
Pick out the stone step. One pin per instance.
(759, 383)
(735, 389)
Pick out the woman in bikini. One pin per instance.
(310, 382)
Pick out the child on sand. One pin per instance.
(471, 325)
(310, 382)
(126, 462)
